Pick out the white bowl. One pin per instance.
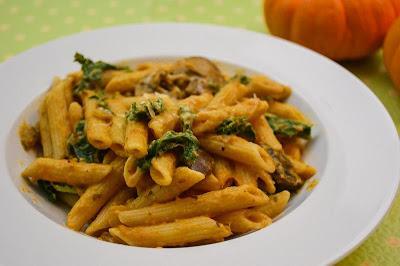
(355, 149)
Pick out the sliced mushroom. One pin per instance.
(203, 163)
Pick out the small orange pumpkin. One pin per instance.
(339, 29)
(391, 53)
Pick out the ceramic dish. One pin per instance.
(355, 149)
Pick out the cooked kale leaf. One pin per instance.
(145, 110)
(186, 117)
(172, 140)
(50, 189)
(239, 126)
(91, 72)
(79, 146)
(288, 128)
(101, 101)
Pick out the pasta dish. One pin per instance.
(167, 154)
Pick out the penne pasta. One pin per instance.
(75, 113)
(132, 173)
(263, 86)
(244, 221)
(66, 171)
(44, 128)
(101, 221)
(177, 233)
(126, 82)
(197, 102)
(208, 120)
(183, 179)
(209, 183)
(95, 196)
(136, 136)
(57, 115)
(211, 204)
(223, 170)
(304, 170)
(286, 110)
(97, 122)
(162, 168)
(264, 133)
(275, 205)
(166, 120)
(239, 150)
(118, 126)
(230, 94)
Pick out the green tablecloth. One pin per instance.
(24, 24)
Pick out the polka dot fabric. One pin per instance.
(24, 24)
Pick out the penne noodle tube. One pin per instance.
(239, 150)
(210, 183)
(183, 179)
(97, 122)
(197, 102)
(264, 133)
(118, 126)
(304, 170)
(108, 75)
(166, 120)
(132, 173)
(162, 168)
(230, 94)
(293, 148)
(177, 233)
(66, 171)
(223, 170)
(126, 81)
(75, 113)
(244, 221)
(112, 215)
(144, 184)
(263, 86)
(106, 236)
(276, 204)
(211, 204)
(208, 120)
(286, 110)
(44, 128)
(246, 175)
(57, 114)
(136, 138)
(96, 196)
(101, 221)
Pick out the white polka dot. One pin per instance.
(219, 18)
(75, 3)
(180, 18)
(199, 9)
(29, 19)
(146, 19)
(19, 37)
(130, 11)
(52, 11)
(113, 3)
(162, 8)
(238, 10)
(45, 28)
(219, 2)
(38, 2)
(69, 20)
(4, 27)
(256, 2)
(148, 3)
(91, 12)
(86, 28)
(108, 20)
(14, 10)
(7, 56)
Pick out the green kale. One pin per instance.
(288, 128)
(79, 146)
(50, 189)
(214, 87)
(186, 117)
(239, 126)
(91, 73)
(145, 110)
(243, 79)
(284, 176)
(101, 101)
(172, 140)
